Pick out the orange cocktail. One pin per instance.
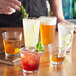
(47, 30)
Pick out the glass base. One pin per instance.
(11, 55)
(29, 72)
(56, 63)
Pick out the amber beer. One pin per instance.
(55, 58)
(47, 30)
(57, 54)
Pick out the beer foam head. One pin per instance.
(48, 20)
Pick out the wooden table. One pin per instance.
(67, 69)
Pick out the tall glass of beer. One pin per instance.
(47, 29)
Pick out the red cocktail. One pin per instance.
(30, 60)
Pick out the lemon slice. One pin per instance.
(67, 40)
(35, 26)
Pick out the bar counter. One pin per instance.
(68, 68)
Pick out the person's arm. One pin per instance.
(56, 7)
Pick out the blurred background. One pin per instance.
(69, 10)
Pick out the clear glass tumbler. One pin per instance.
(30, 60)
(57, 54)
(65, 30)
(12, 43)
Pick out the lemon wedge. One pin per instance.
(16, 50)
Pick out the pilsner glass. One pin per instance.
(47, 29)
(12, 43)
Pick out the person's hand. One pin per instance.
(63, 20)
(9, 6)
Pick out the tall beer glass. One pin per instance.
(47, 29)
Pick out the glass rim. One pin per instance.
(31, 18)
(57, 47)
(48, 17)
(27, 49)
(24, 48)
(20, 33)
(70, 24)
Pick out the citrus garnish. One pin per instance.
(35, 26)
(67, 39)
(16, 50)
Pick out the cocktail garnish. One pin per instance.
(39, 47)
(23, 11)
